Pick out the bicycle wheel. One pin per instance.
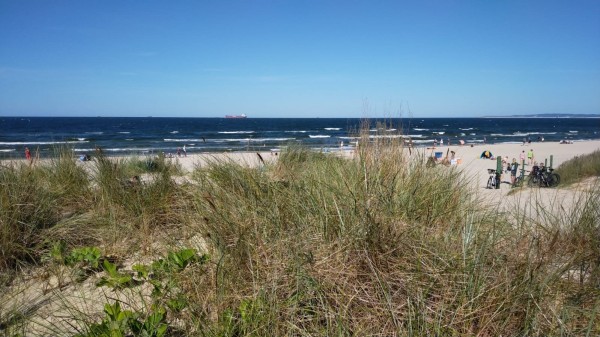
(532, 181)
(553, 180)
(490, 183)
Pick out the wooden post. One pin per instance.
(498, 171)
(551, 160)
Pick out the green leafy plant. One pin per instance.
(177, 261)
(121, 323)
(114, 278)
(142, 270)
(89, 256)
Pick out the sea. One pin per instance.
(153, 135)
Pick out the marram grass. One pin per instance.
(317, 245)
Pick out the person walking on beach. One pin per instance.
(27, 154)
(513, 171)
(184, 151)
(530, 156)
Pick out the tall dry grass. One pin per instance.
(377, 245)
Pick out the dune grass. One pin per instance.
(580, 167)
(320, 245)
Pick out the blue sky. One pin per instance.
(306, 58)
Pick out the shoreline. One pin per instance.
(469, 153)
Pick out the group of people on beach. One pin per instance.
(513, 166)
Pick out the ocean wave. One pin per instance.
(319, 136)
(391, 130)
(184, 140)
(573, 131)
(417, 129)
(131, 149)
(333, 129)
(349, 138)
(7, 150)
(124, 132)
(294, 131)
(466, 129)
(439, 132)
(44, 143)
(249, 140)
(386, 136)
(235, 132)
(174, 132)
(95, 132)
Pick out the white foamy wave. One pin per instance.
(319, 136)
(417, 129)
(386, 136)
(129, 149)
(183, 140)
(349, 138)
(473, 134)
(250, 140)
(519, 134)
(412, 136)
(95, 133)
(7, 150)
(507, 135)
(301, 131)
(129, 139)
(466, 129)
(267, 139)
(174, 132)
(235, 132)
(44, 143)
(510, 142)
(124, 132)
(573, 131)
(391, 130)
(463, 134)
(439, 132)
(333, 129)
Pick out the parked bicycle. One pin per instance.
(543, 177)
(493, 180)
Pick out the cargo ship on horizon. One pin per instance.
(236, 116)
